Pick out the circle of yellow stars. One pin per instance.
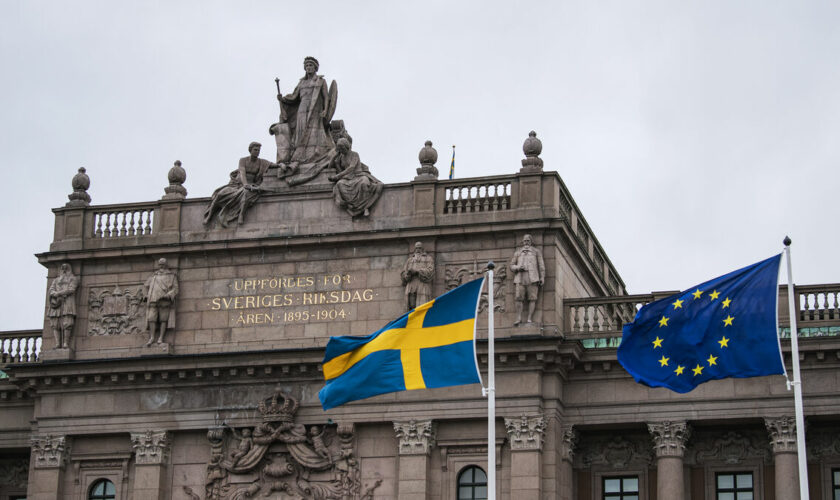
(724, 341)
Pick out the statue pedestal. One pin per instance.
(526, 329)
(57, 354)
(157, 349)
(271, 183)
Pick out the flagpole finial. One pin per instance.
(491, 265)
(787, 241)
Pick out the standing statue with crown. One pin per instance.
(304, 145)
(287, 458)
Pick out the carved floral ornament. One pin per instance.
(415, 438)
(669, 438)
(49, 451)
(14, 473)
(730, 448)
(782, 432)
(526, 433)
(568, 443)
(615, 452)
(150, 447)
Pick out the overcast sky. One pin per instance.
(693, 135)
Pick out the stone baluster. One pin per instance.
(151, 454)
(782, 432)
(669, 440)
(416, 439)
(48, 456)
(526, 436)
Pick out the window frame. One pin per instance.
(621, 478)
(97, 482)
(756, 469)
(599, 473)
(473, 485)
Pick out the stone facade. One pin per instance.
(226, 406)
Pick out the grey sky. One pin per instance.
(693, 135)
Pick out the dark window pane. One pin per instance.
(99, 488)
(725, 481)
(631, 497)
(465, 493)
(744, 481)
(109, 488)
(481, 492)
(612, 485)
(480, 476)
(631, 485)
(466, 476)
(726, 496)
(612, 497)
(745, 495)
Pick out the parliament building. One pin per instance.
(182, 340)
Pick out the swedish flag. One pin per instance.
(430, 346)
(725, 327)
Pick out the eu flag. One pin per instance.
(430, 346)
(722, 328)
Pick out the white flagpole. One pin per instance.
(490, 391)
(793, 312)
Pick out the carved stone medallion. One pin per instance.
(116, 311)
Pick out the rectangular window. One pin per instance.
(734, 486)
(835, 484)
(621, 488)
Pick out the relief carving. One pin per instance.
(669, 438)
(151, 448)
(822, 444)
(115, 311)
(782, 432)
(526, 433)
(14, 473)
(456, 275)
(62, 312)
(730, 448)
(417, 275)
(50, 451)
(416, 438)
(279, 455)
(568, 443)
(616, 453)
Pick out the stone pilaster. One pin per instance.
(669, 440)
(151, 455)
(416, 439)
(782, 432)
(48, 455)
(526, 435)
(568, 442)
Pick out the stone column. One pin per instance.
(151, 454)
(48, 457)
(526, 436)
(568, 441)
(669, 443)
(416, 440)
(782, 432)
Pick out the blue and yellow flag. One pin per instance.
(726, 327)
(430, 346)
(452, 165)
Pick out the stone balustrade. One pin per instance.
(122, 222)
(20, 347)
(477, 196)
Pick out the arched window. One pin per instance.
(472, 484)
(102, 490)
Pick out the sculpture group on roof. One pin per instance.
(311, 148)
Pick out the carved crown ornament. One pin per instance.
(415, 438)
(526, 433)
(151, 447)
(49, 451)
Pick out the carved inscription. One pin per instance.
(292, 299)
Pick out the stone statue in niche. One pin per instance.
(528, 276)
(417, 275)
(283, 458)
(304, 143)
(355, 190)
(160, 291)
(62, 312)
(230, 202)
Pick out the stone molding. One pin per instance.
(782, 432)
(669, 438)
(568, 442)
(151, 447)
(526, 433)
(50, 452)
(415, 437)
